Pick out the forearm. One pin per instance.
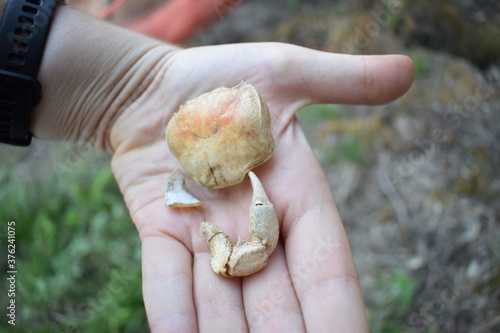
(90, 72)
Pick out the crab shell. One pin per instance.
(221, 135)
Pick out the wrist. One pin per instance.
(91, 72)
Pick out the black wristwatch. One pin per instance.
(23, 33)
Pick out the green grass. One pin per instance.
(349, 146)
(77, 251)
(421, 60)
(316, 113)
(391, 313)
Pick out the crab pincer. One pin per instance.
(245, 258)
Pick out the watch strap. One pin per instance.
(23, 33)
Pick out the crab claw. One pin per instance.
(245, 258)
(264, 227)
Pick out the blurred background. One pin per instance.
(417, 181)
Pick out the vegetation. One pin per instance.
(77, 251)
(395, 298)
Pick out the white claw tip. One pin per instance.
(259, 194)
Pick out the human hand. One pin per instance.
(310, 282)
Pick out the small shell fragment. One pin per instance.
(221, 135)
(176, 194)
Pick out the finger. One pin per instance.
(269, 297)
(167, 284)
(218, 300)
(324, 275)
(322, 77)
(320, 262)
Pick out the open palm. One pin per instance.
(310, 282)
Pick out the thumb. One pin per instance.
(321, 77)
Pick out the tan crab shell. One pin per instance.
(221, 135)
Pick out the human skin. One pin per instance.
(117, 90)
